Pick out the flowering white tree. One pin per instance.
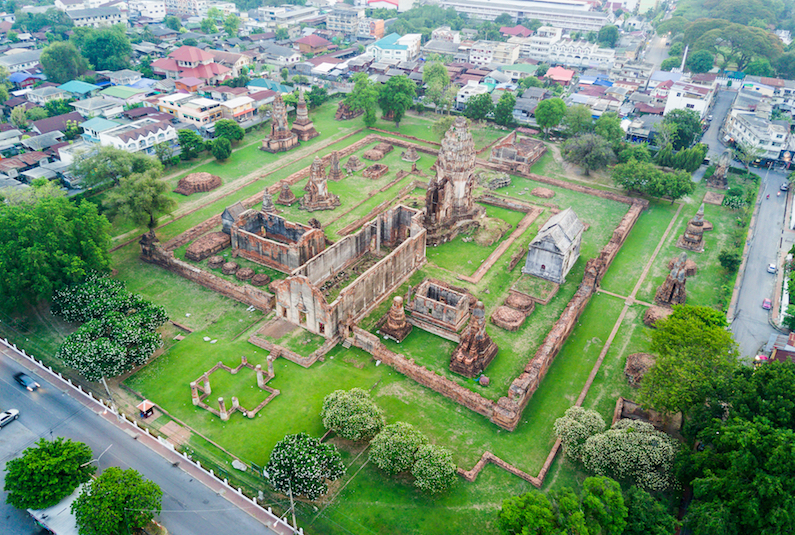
(393, 450)
(352, 415)
(634, 452)
(575, 427)
(434, 469)
(301, 464)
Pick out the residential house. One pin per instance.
(98, 107)
(124, 77)
(124, 95)
(233, 61)
(396, 47)
(685, 96)
(23, 79)
(137, 136)
(312, 44)
(239, 109)
(151, 9)
(468, 91)
(20, 60)
(199, 111)
(59, 122)
(487, 52)
(280, 56)
(189, 84)
(43, 95)
(191, 62)
(515, 31)
(518, 71)
(258, 84)
(560, 75)
(79, 90)
(97, 17)
(94, 127)
(445, 33)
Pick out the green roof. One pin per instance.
(120, 91)
(520, 67)
(390, 43)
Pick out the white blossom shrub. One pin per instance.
(434, 469)
(352, 415)
(575, 427)
(302, 464)
(633, 452)
(393, 450)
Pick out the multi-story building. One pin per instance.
(273, 17)
(191, 62)
(396, 47)
(471, 89)
(280, 56)
(20, 60)
(572, 15)
(137, 136)
(635, 72)
(399, 5)
(151, 9)
(370, 28)
(238, 109)
(756, 131)
(344, 18)
(445, 33)
(231, 60)
(97, 17)
(686, 96)
(191, 109)
(43, 95)
(485, 52)
(191, 8)
(580, 54)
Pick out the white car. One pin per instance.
(771, 268)
(8, 416)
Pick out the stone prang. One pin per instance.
(281, 138)
(672, 291)
(476, 349)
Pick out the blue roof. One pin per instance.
(78, 87)
(143, 83)
(21, 76)
(98, 124)
(270, 84)
(390, 42)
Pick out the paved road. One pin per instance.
(719, 112)
(656, 52)
(189, 507)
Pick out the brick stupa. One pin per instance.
(396, 326)
(303, 126)
(317, 196)
(476, 349)
(335, 172)
(281, 138)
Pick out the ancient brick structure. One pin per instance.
(317, 196)
(521, 302)
(718, 178)
(654, 314)
(493, 180)
(301, 298)
(335, 172)
(354, 164)
(272, 241)
(244, 274)
(303, 126)
(344, 112)
(215, 262)
(197, 182)
(543, 193)
(410, 155)
(396, 326)
(281, 138)
(672, 290)
(286, 196)
(207, 246)
(477, 349)
(638, 364)
(230, 215)
(260, 279)
(375, 171)
(507, 318)
(449, 206)
(379, 151)
(267, 202)
(693, 238)
(690, 267)
(229, 268)
(437, 307)
(518, 154)
(556, 247)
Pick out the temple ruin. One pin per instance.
(410, 155)
(693, 238)
(438, 308)
(354, 164)
(672, 290)
(449, 206)
(375, 171)
(719, 177)
(281, 138)
(378, 152)
(556, 247)
(317, 196)
(518, 154)
(286, 196)
(396, 326)
(344, 112)
(196, 183)
(476, 349)
(335, 172)
(267, 202)
(303, 127)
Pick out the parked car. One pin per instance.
(8, 416)
(26, 381)
(771, 268)
(785, 186)
(709, 117)
(767, 304)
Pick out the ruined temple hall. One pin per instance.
(556, 247)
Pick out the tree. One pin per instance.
(229, 129)
(695, 357)
(108, 49)
(95, 297)
(282, 34)
(208, 26)
(317, 96)
(352, 415)
(530, 81)
(108, 165)
(575, 427)
(397, 96)
(672, 185)
(608, 36)
(301, 465)
(173, 23)
(549, 113)
(503, 111)
(47, 246)
(363, 96)
(608, 125)
(671, 63)
(742, 44)
(578, 120)
(393, 450)
(645, 515)
(40, 188)
(589, 151)
(19, 117)
(47, 473)
(115, 502)
(638, 152)
(529, 513)
(72, 129)
(141, 198)
(434, 470)
(603, 505)
(164, 152)
(36, 114)
(442, 125)
(542, 69)
(231, 24)
(221, 148)
(285, 74)
(436, 79)
(62, 62)
(687, 125)
(191, 144)
(214, 13)
(677, 49)
(760, 67)
(785, 65)
(479, 106)
(58, 107)
(700, 61)
(746, 152)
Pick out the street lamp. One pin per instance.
(97, 459)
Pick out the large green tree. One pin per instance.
(352, 414)
(686, 126)
(393, 450)
(141, 198)
(700, 61)
(47, 246)
(646, 516)
(434, 470)
(62, 62)
(221, 149)
(397, 96)
(436, 79)
(300, 465)
(603, 505)
(590, 151)
(575, 427)
(608, 36)
(229, 129)
(741, 43)
(549, 113)
(478, 107)
(107, 48)
(47, 473)
(578, 120)
(503, 110)
(608, 125)
(116, 502)
(190, 143)
(108, 165)
(364, 96)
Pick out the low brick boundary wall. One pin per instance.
(488, 457)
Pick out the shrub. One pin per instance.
(301, 464)
(393, 449)
(730, 259)
(575, 427)
(352, 415)
(434, 469)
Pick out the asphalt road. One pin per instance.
(189, 507)
(656, 52)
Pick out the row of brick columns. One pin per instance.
(194, 390)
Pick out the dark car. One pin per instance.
(26, 381)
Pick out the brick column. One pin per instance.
(222, 406)
(260, 378)
(207, 389)
(270, 366)
(194, 393)
(235, 403)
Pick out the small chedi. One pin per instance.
(378, 152)
(477, 349)
(354, 164)
(267, 202)
(449, 206)
(556, 247)
(303, 126)
(317, 196)
(344, 112)
(410, 155)
(672, 290)
(281, 138)
(197, 182)
(396, 326)
(335, 172)
(286, 196)
(693, 238)
(718, 178)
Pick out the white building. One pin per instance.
(97, 17)
(471, 89)
(191, 8)
(445, 33)
(152, 9)
(686, 96)
(485, 52)
(393, 46)
(755, 131)
(137, 136)
(399, 5)
(344, 18)
(572, 15)
(274, 17)
(16, 60)
(72, 5)
(549, 46)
